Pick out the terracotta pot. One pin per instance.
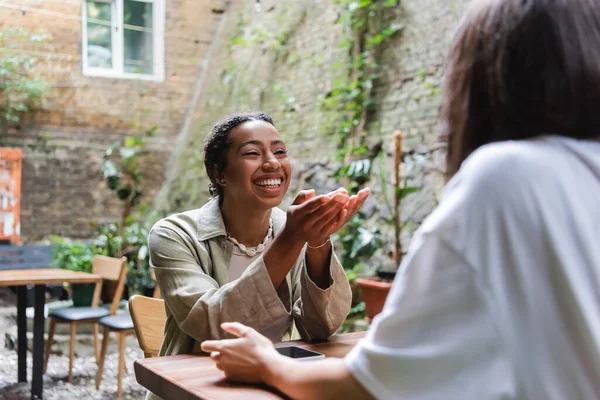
(374, 293)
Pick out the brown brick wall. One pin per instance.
(290, 81)
(63, 142)
(284, 65)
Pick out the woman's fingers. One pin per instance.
(209, 346)
(235, 328)
(337, 224)
(329, 218)
(361, 197)
(351, 208)
(311, 205)
(303, 196)
(321, 215)
(326, 211)
(338, 190)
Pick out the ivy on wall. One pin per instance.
(262, 52)
(351, 97)
(20, 87)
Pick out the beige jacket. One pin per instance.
(190, 255)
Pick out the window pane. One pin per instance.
(99, 46)
(97, 10)
(137, 37)
(137, 13)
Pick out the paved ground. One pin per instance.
(55, 381)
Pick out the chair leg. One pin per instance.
(121, 365)
(96, 344)
(72, 350)
(49, 342)
(105, 334)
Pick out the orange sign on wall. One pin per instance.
(10, 194)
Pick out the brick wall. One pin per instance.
(63, 141)
(278, 56)
(289, 79)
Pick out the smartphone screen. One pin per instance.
(298, 352)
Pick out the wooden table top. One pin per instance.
(45, 276)
(195, 377)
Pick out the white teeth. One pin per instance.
(269, 182)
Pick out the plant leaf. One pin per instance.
(405, 191)
(109, 169)
(127, 153)
(133, 141)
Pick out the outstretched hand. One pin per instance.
(314, 218)
(328, 227)
(351, 207)
(310, 215)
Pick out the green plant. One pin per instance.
(130, 241)
(138, 279)
(352, 94)
(128, 237)
(350, 99)
(355, 322)
(75, 256)
(357, 244)
(20, 88)
(72, 255)
(122, 172)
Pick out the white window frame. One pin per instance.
(158, 43)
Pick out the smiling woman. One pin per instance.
(240, 258)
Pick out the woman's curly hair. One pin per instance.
(217, 144)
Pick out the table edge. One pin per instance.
(78, 277)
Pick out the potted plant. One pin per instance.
(131, 242)
(75, 256)
(139, 280)
(123, 174)
(376, 289)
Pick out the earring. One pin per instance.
(222, 182)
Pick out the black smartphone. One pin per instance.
(299, 353)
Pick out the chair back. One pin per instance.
(112, 269)
(148, 316)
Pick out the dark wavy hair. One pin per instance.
(519, 69)
(217, 144)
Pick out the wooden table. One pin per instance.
(39, 278)
(195, 377)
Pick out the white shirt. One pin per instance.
(499, 294)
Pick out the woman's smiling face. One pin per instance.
(258, 170)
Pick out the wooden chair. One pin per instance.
(109, 268)
(123, 326)
(148, 315)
